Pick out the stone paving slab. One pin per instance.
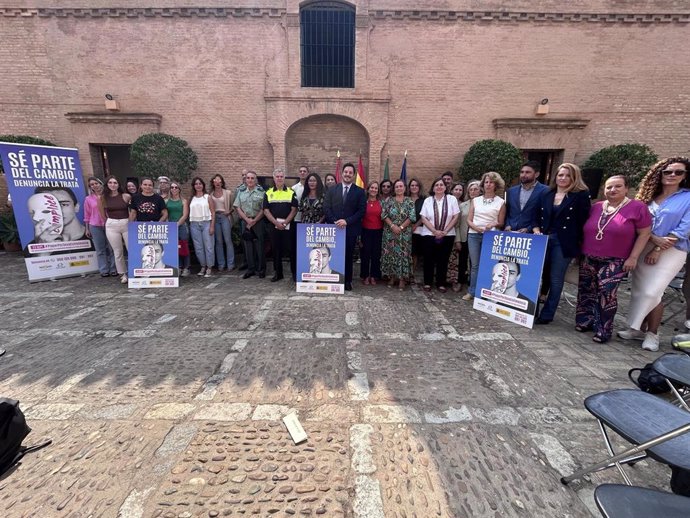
(414, 403)
(88, 471)
(255, 469)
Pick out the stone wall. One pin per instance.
(226, 78)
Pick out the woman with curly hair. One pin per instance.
(563, 211)
(664, 191)
(311, 203)
(487, 212)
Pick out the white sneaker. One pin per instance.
(631, 334)
(123, 279)
(467, 296)
(208, 273)
(687, 324)
(185, 272)
(651, 342)
(202, 271)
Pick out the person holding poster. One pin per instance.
(344, 205)
(439, 214)
(178, 211)
(614, 235)
(95, 228)
(147, 205)
(202, 216)
(487, 212)
(562, 213)
(114, 208)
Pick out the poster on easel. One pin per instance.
(509, 277)
(320, 258)
(47, 190)
(152, 255)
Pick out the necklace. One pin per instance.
(606, 217)
(488, 201)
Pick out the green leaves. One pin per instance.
(491, 155)
(8, 227)
(160, 154)
(630, 160)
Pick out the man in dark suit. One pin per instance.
(522, 200)
(344, 205)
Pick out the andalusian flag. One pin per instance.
(403, 173)
(337, 167)
(360, 181)
(386, 175)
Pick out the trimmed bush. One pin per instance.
(491, 155)
(160, 154)
(631, 160)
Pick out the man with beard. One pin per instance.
(522, 200)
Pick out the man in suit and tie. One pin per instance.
(344, 205)
(522, 200)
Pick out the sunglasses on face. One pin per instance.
(674, 172)
(174, 186)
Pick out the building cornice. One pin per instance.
(404, 14)
(113, 118)
(538, 123)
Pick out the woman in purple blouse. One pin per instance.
(614, 235)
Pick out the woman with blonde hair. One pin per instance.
(487, 212)
(563, 211)
(663, 190)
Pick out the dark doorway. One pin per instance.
(548, 159)
(112, 159)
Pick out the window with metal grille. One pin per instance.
(327, 45)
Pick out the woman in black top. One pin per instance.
(147, 205)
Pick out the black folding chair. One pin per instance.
(657, 428)
(618, 501)
(675, 368)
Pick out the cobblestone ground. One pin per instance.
(168, 403)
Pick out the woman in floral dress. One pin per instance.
(398, 216)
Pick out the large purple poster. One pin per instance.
(47, 190)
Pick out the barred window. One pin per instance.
(327, 44)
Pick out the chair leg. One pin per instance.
(627, 454)
(680, 399)
(609, 447)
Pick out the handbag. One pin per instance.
(183, 248)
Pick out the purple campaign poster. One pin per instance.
(152, 255)
(48, 191)
(320, 258)
(510, 268)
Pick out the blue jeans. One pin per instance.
(203, 242)
(223, 234)
(183, 235)
(104, 254)
(559, 266)
(474, 245)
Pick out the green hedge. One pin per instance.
(160, 154)
(630, 160)
(491, 155)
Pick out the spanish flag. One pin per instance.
(360, 181)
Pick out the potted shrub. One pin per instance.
(160, 154)
(630, 160)
(491, 155)
(9, 235)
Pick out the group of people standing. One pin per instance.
(397, 224)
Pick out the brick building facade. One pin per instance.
(431, 80)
